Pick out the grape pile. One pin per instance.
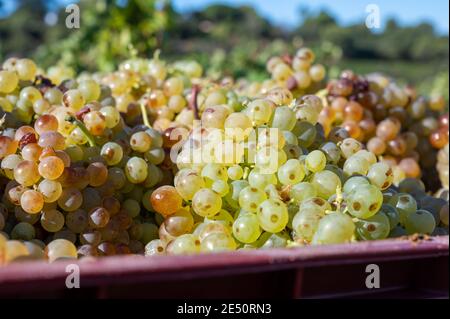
(394, 123)
(156, 159)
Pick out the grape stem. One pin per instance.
(144, 115)
(193, 104)
(84, 130)
(246, 172)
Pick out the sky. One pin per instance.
(286, 12)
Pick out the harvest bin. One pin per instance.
(416, 268)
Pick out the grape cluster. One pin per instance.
(155, 159)
(79, 159)
(439, 140)
(391, 120)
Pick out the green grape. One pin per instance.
(283, 118)
(188, 182)
(223, 217)
(112, 116)
(354, 183)
(326, 183)
(349, 147)
(246, 228)
(26, 69)
(184, 244)
(155, 247)
(112, 153)
(235, 172)
(250, 198)
(89, 89)
(70, 199)
(54, 96)
(331, 151)
(365, 201)
(220, 187)
(271, 137)
(136, 170)
(259, 111)
(259, 180)
(140, 142)
(420, 221)
(157, 140)
(290, 138)
(273, 215)
(8, 81)
(306, 133)
(155, 155)
(316, 201)
(217, 242)
(206, 202)
(306, 221)
(52, 220)
(60, 248)
(356, 165)
(334, 228)
(212, 172)
(77, 221)
(132, 207)
(392, 213)
(405, 205)
(315, 161)
(232, 198)
(302, 191)
(381, 175)
(375, 227)
(291, 172)
(23, 231)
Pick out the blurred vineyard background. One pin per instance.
(227, 40)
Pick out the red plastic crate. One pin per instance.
(417, 269)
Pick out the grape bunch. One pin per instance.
(78, 159)
(394, 123)
(154, 158)
(297, 73)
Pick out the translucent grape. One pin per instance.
(70, 199)
(273, 215)
(250, 198)
(166, 200)
(246, 228)
(184, 244)
(112, 153)
(381, 175)
(206, 202)
(306, 221)
(136, 170)
(51, 167)
(291, 172)
(60, 248)
(375, 227)
(217, 242)
(315, 161)
(302, 191)
(365, 201)
(420, 221)
(356, 165)
(32, 201)
(52, 220)
(334, 228)
(26, 173)
(326, 183)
